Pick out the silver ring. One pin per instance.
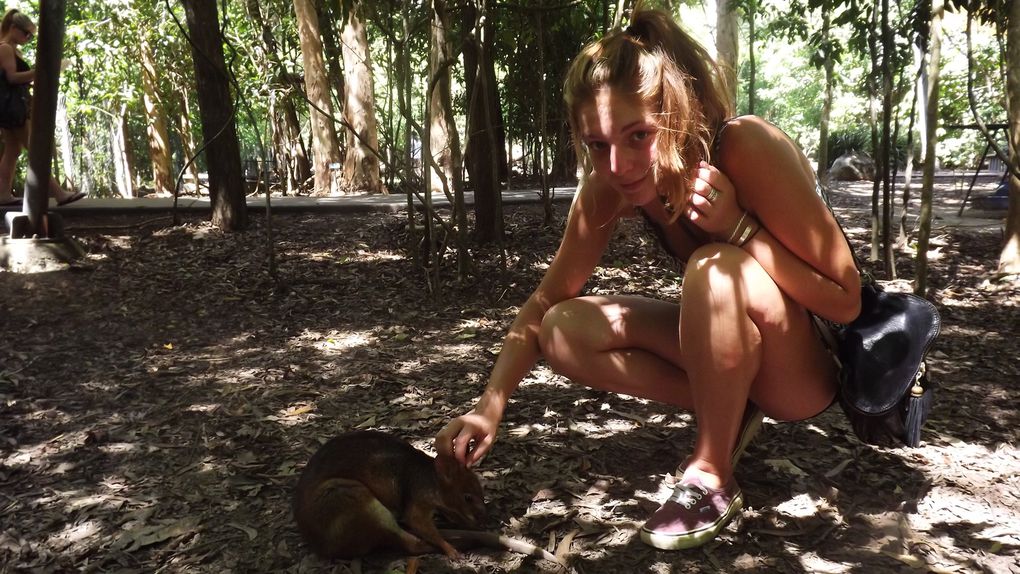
(712, 195)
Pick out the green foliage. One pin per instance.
(104, 79)
(858, 139)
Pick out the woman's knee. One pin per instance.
(568, 328)
(558, 323)
(717, 260)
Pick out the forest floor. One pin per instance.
(158, 401)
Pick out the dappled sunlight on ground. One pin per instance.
(157, 404)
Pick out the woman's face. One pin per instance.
(23, 34)
(619, 132)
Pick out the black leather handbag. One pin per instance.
(884, 387)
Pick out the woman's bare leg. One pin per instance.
(743, 338)
(623, 344)
(732, 313)
(8, 163)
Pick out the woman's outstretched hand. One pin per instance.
(467, 438)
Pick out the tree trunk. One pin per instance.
(876, 151)
(187, 134)
(1009, 258)
(122, 168)
(752, 65)
(823, 127)
(930, 125)
(325, 146)
(443, 137)
(885, 163)
(361, 164)
(334, 57)
(290, 153)
(288, 147)
(155, 115)
(450, 158)
(727, 30)
(64, 137)
(404, 89)
(543, 120)
(482, 148)
(216, 109)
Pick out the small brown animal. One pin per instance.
(368, 491)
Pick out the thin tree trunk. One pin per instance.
(908, 170)
(216, 108)
(912, 119)
(823, 129)
(886, 160)
(155, 114)
(876, 151)
(931, 124)
(442, 98)
(404, 99)
(1009, 257)
(187, 135)
(325, 146)
(483, 158)
(727, 30)
(331, 50)
(64, 136)
(543, 119)
(751, 93)
(432, 269)
(122, 168)
(444, 140)
(361, 165)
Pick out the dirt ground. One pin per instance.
(158, 401)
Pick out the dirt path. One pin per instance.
(157, 403)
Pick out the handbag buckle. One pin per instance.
(918, 389)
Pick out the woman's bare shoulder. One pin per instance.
(752, 147)
(747, 133)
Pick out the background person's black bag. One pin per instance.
(13, 103)
(884, 387)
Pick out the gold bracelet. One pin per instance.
(749, 232)
(736, 228)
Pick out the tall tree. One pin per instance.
(155, 115)
(329, 12)
(1009, 257)
(444, 140)
(216, 109)
(727, 31)
(485, 155)
(751, 6)
(885, 159)
(325, 146)
(361, 164)
(123, 160)
(827, 60)
(289, 150)
(931, 124)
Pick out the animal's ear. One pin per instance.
(447, 467)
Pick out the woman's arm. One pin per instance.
(9, 65)
(800, 244)
(589, 227)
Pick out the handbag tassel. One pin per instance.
(918, 407)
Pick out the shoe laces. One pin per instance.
(687, 495)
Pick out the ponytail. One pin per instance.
(12, 18)
(673, 75)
